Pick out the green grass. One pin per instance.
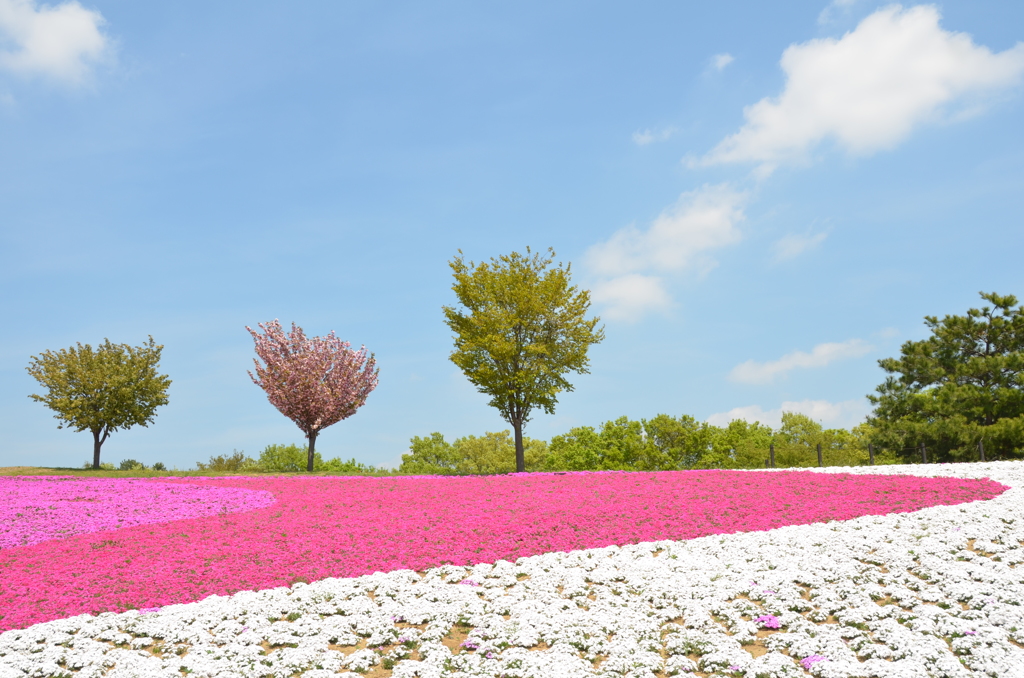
(149, 473)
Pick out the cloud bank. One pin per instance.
(869, 89)
(629, 265)
(845, 414)
(649, 136)
(792, 245)
(843, 6)
(752, 372)
(61, 42)
(720, 61)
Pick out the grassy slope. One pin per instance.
(106, 473)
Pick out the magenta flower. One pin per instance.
(139, 543)
(808, 662)
(769, 621)
(35, 510)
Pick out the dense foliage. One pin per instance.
(101, 390)
(662, 443)
(489, 454)
(522, 327)
(283, 459)
(962, 386)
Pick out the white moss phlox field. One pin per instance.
(936, 592)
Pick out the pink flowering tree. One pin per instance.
(315, 381)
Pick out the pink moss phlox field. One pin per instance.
(345, 527)
(34, 510)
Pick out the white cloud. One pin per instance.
(648, 136)
(699, 221)
(720, 61)
(845, 414)
(752, 372)
(793, 245)
(842, 5)
(678, 239)
(630, 297)
(62, 42)
(869, 89)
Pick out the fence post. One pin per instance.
(819, 455)
(871, 454)
(771, 454)
(981, 450)
(924, 454)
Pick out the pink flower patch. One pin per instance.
(808, 662)
(345, 527)
(34, 510)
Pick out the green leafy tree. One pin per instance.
(578, 450)
(681, 442)
(429, 456)
(625, 446)
(664, 443)
(522, 328)
(295, 458)
(494, 453)
(620, 445)
(797, 440)
(961, 385)
(489, 454)
(737, 445)
(102, 390)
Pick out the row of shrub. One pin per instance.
(659, 444)
(283, 459)
(128, 465)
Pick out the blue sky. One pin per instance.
(764, 200)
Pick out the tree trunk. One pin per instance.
(517, 426)
(312, 447)
(97, 443)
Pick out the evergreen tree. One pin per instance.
(962, 385)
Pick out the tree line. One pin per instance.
(520, 327)
(662, 443)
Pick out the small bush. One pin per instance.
(293, 459)
(286, 458)
(131, 465)
(237, 462)
(105, 466)
(159, 466)
(350, 467)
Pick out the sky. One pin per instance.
(763, 199)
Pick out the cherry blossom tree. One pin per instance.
(315, 382)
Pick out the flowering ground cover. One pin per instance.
(936, 592)
(345, 527)
(34, 510)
